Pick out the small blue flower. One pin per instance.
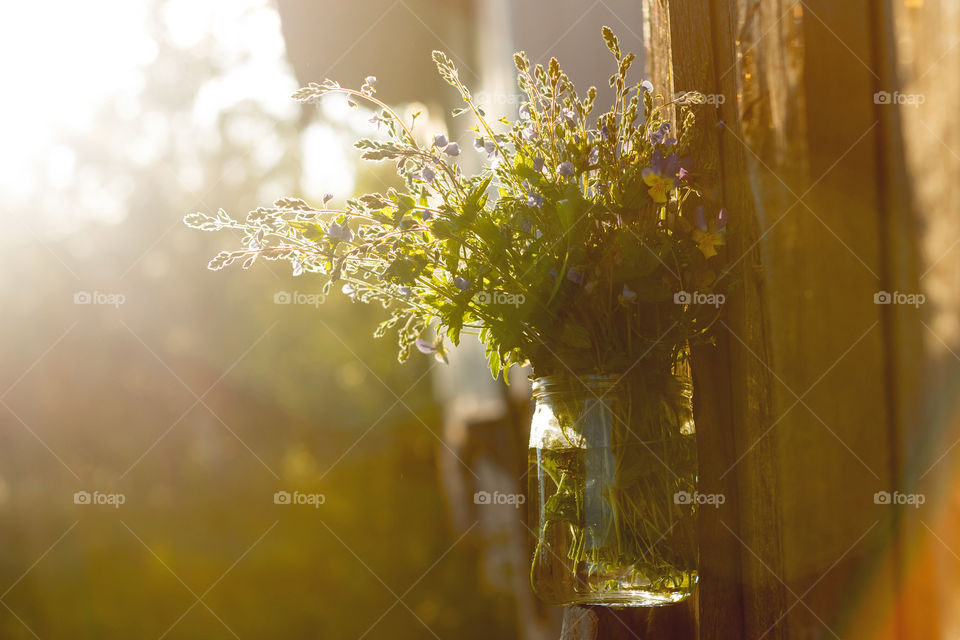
(538, 164)
(425, 346)
(462, 283)
(647, 86)
(427, 174)
(570, 116)
(349, 290)
(452, 149)
(524, 112)
(490, 147)
(535, 200)
(440, 141)
(575, 275)
(405, 291)
(427, 215)
(529, 132)
(660, 135)
(565, 169)
(478, 144)
(627, 295)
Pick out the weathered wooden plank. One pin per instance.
(698, 41)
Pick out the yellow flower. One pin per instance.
(659, 186)
(707, 241)
(709, 236)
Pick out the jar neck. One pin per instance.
(606, 385)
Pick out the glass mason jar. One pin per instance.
(612, 480)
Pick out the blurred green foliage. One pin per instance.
(116, 402)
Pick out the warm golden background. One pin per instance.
(198, 397)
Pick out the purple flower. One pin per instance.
(700, 219)
(538, 164)
(594, 155)
(405, 291)
(535, 200)
(440, 141)
(427, 215)
(570, 116)
(717, 225)
(647, 86)
(605, 132)
(683, 173)
(341, 232)
(628, 294)
(565, 169)
(524, 112)
(462, 283)
(529, 132)
(490, 147)
(452, 149)
(478, 144)
(427, 174)
(349, 290)
(575, 275)
(658, 136)
(664, 167)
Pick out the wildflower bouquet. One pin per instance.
(577, 247)
(587, 247)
